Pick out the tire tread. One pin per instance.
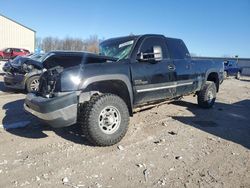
(203, 92)
(86, 115)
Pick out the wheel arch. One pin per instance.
(214, 77)
(34, 72)
(115, 84)
(28, 77)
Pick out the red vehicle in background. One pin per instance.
(11, 53)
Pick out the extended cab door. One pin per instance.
(186, 74)
(152, 71)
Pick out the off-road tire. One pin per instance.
(207, 95)
(29, 82)
(89, 115)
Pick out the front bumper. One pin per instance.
(15, 81)
(60, 111)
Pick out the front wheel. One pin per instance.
(104, 119)
(32, 84)
(207, 95)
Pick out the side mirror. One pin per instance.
(157, 53)
(154, 56)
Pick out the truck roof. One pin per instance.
(133, 37)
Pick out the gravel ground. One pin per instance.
(171, 145)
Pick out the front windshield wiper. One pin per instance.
(108, 58)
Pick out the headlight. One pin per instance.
(75, 79)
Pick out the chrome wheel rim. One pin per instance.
(34, 85)
(210, 96)
(109, 120)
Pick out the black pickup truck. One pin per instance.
(100, 92)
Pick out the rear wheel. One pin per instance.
(238, 75)
(32, 84)
(225, 74)
(207, 95)
(104, 119)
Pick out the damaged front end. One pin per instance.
(57, 99)
(52, 103)
(19, 70)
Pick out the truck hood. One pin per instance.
(17, 64)
(21, 60)
(72, 59)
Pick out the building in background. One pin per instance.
(16, 35)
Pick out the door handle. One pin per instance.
(171, 67)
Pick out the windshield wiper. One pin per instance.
(108, 58)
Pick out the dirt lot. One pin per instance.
(172, 145)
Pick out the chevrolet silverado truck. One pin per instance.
(100, 92)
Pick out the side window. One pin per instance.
(153, 48)
(177, 49)
(17, 50)
(8, 50)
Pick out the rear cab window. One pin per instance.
(177, 49)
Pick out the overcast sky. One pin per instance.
(209, 28)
